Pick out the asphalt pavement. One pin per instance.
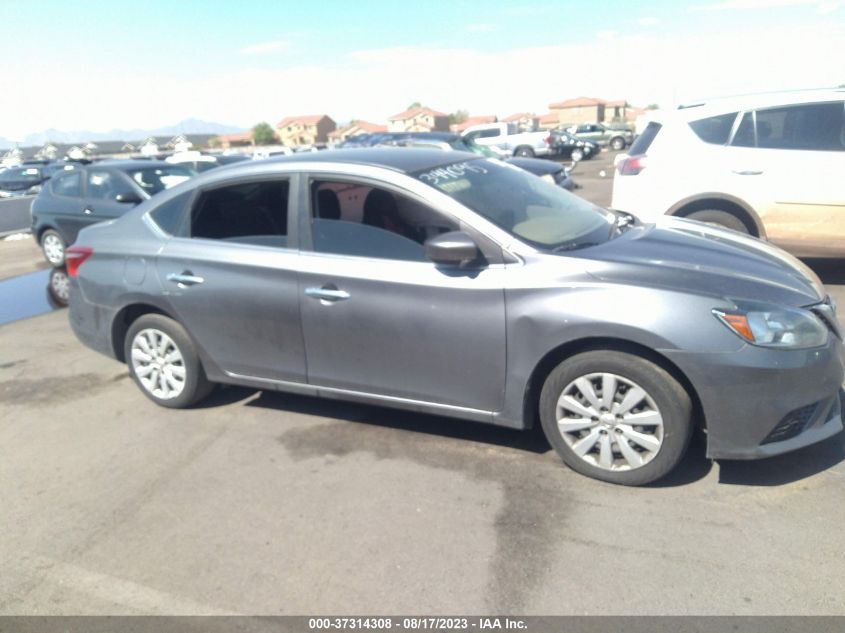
(266, 503)
(14, 214)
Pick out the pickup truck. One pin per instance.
(617, 139)
(506, 139)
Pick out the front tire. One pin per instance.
(617, 143)
(524, 151)
(577, 154)
(616, 417)
(722, 219)
(164, 363)
(53, 246)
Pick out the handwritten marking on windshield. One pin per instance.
(451, 172)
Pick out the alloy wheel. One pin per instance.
(609, 421)
(54, 249)
(158, 364)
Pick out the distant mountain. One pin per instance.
(6, 143)
(188, 126)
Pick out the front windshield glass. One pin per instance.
(20, 173)
(469, 143)
(535, 211)
(158, 178)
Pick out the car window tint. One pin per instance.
(103, 185)
(744, 136)
(644, 140)
(69, 184)
(250, 213)
(812, 126)
(356, 219)
(168, 216)
(714, 129)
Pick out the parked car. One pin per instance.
(565, 144)
(94, 193)
(767, 165)
(452, 284)
(508, 138)
(615, 138)
(201, 162)
(26, 179)
(551, 171)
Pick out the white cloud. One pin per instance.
(827, 7)
(482, 27)
(647, 21)
(374, 84)
(607, 35)
(265, 47)
(731, 5)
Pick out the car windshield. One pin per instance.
(468, 143)
(158, 178)
(20, 173)
(531, 209)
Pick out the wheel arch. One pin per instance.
(721, 202)
(554, 357)
(124, 319)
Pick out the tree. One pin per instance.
(652, 106)
(263, 134)
(458, 116)
(415, 104)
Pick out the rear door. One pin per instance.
(63, 208)
(788, 162)
(231, 277)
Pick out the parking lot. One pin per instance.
(266, 503)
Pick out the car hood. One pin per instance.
(689, 256)
(536, 166)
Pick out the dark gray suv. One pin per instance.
(457, 285)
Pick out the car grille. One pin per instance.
(827, 313)
(792, 424)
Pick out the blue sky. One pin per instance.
(99, 65)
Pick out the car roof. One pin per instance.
(402, 159)
(724, 105)
(140, 163)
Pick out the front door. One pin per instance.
(380, 318)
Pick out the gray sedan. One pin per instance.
(457, 285)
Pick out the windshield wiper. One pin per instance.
(571, 246)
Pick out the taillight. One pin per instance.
(632, 165)
(74, 256)
(548, 140)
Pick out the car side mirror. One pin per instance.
(455, 248)
(128, 197)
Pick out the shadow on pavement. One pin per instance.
(830, 271)
(785, 469)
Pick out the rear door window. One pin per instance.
(811, 126)
(715, 129)
(248, 212)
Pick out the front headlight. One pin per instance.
(548, 178)
(785, 328)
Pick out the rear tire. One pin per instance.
(634, 434)
(524, 151)
(717, 217)
(164, 363)
(577, 155)
(617, 143)
(53, 247)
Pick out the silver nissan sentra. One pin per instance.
(457, 285)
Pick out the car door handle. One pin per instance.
(327, 294)
(87, 210)
(747, 172)
(186, 278)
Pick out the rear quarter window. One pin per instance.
(67, 184)
(169, 216)
(715, 130)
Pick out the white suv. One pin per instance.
(769, 165)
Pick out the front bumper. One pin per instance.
(761, 402)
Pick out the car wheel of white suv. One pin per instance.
(719, 218)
